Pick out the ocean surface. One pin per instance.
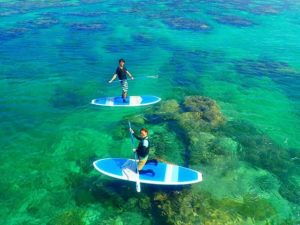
(228, 73)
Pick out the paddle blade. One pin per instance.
(138, 186)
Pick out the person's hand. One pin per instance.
(131, 131)
(133, 149)
(132, 78)
(109, 81)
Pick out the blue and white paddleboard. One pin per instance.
(165, 174)
(130, 101)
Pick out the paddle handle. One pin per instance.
(138, 184)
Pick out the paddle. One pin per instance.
(138, 185)
(142, 77)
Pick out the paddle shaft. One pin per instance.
(143, 77)
(138, 185)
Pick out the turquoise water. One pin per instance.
(243, 55)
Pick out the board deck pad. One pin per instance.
(130, 101)
(165, 174)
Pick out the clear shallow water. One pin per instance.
(56, 57)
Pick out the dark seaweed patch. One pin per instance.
(26, 6)
(260, 150)
(87, 27)
(85, 14)
(40, 23)
(187, 24)
(10, 12)
(280, 72)
(290, 189)
(91, 1)
(12, 33)
(63, 99)
(142, 39)
(235, 21)
(265, 10)
(122, 47)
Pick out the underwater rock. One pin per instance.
(144, 203)
(192, 207)
(226, 146)
(199, 148)
(178, 207)
(235, 21)
(87, 27)
(192, 120)
(167, 145)
(187, 24)
(165, 110)
(201, 110)
(206, 148)
(199, 207)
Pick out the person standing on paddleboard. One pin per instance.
(143, 151)
(122, 73)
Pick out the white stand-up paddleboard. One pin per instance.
(165, 174)
(130, 101)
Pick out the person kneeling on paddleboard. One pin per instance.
(143, 151)
(122, 73)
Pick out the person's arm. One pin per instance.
(130, 75)
(113, 78)
(137, 137)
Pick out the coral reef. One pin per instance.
(199, 207)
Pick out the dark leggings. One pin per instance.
(151, 161)
(149, 171)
